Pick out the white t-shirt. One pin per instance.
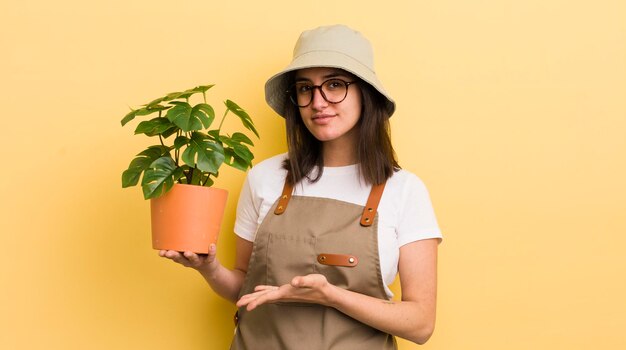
(405, 213)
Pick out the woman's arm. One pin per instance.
(226, 283)
(413, 318)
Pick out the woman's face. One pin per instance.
(331, 122)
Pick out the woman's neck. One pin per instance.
(339, 154)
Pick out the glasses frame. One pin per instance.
(293, 94)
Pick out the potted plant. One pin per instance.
(176, 174)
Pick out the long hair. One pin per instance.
(375, 154)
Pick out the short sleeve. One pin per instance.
(247, 213)
(260, 190)
(416, 217)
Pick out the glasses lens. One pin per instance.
(302, 94)
(335, 90)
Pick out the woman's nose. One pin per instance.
(319, 102)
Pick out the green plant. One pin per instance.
(196, 153)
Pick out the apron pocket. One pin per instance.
(289, 255)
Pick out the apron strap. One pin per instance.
(284, 199)
(369, 212)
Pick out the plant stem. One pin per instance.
(177, 151)
(219, 128)
(161, 139)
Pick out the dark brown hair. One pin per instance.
(375, 154)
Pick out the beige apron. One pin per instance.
(316, 235)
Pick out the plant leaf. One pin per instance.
(130, 177)
(159, 177)
(208, 182)
(128, 117)
(236, 139)
(201, 88)
(235, 161)
(185, 169)
(240, 164)
(181, 115)
(155, 102)
(169, 132)
(180, 142)
(176, 95)
(244, 153)
(178, 173)
(185, 94)
(198, 89)
(241, 138)
(142, 111)
(203, 153)
(196, 176)
(229, 153)
(204, 112)
(214, 135)
(227, 140)
(171, 96)
(243, 116)
(153, 127)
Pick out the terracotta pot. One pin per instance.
(187, 218)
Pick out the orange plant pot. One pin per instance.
(187, 218)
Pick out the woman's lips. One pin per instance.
(322, 118)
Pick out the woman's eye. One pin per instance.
(334, 85)
(303, 89)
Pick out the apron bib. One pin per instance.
(316, 235)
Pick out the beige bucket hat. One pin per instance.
(334, 46)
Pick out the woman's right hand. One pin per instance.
(225, 282)
(204, 263)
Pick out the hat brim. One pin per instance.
(276, 86)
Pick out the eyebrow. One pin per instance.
(325, 77)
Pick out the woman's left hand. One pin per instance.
(312, 288)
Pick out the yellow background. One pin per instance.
(512, 112)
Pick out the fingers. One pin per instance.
(212, 249)
(310, 289)
(263, 287)
(308, 281)
(212, 253)
(170, 254)
(297, 282)
(175, 256)
(262, 295)
(192, 258)
(187, 259)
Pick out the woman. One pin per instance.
(323, 230)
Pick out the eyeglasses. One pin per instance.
(332, 90)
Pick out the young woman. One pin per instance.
(324, 229)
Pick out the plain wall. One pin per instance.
(512, 112)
